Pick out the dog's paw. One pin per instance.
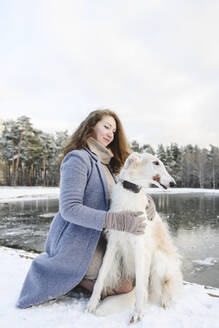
(136, 317)
(165, 304)
(91, 307)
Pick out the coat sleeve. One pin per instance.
(74, 177)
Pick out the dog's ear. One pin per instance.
(134, 160)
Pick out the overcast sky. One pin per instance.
(156, 63)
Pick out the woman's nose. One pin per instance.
(110, 134)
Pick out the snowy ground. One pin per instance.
(10, 194)
(196, 309)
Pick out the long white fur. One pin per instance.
(149, 260)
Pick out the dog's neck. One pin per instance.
(130, 186)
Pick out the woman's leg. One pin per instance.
(88, 282)
(124, 286)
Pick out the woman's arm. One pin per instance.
(74, 176)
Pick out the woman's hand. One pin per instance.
(128, 221)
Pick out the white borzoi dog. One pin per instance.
(149, 260)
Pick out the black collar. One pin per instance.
(131, 186)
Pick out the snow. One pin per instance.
(47, 215)
(207, 261)
(181, 190)
(196, 309)
(11, 194)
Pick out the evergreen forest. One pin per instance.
(31, 157)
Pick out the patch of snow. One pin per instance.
(196, 309)
(11, 194)
(47, 215)
(181, 190)
(207, 261)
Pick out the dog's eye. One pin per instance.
(156, 163)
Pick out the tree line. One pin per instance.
(31, 157)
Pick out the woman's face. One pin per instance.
(104, 130)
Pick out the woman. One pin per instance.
(74, 247)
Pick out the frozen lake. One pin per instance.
(193, 219)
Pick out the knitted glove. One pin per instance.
(150, 208)
(125, 221)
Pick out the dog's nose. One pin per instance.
(172, 184)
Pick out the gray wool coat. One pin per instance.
(74, 231)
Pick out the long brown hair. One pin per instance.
(119, 146)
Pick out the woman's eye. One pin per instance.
(108, 128)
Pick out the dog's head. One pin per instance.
(146, 169)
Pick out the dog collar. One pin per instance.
(130, 186)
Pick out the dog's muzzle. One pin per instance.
(157, 179)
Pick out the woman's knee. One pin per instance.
(125, 286)
(87, 284)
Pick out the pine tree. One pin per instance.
(135, 146)
(147, 149)
(161, 154)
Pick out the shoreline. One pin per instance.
(30, 255)
(25, 193)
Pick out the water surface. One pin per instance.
(193, 219)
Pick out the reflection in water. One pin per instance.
(189, 210)
(193, 220)
(22, 224)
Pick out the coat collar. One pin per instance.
(94, 156)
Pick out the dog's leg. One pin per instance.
(165, 279)
(142, 270)
(105, 268)
(172, 285)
